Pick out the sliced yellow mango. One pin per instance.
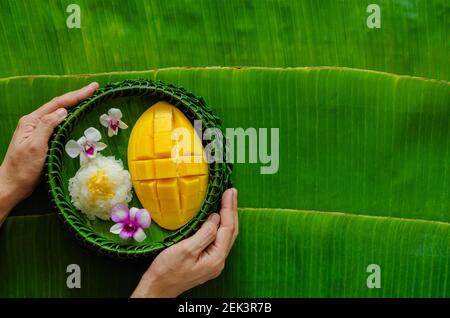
(167, 166)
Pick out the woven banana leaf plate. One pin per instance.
(133, 97)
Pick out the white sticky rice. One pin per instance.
(100, 183)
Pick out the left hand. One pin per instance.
(24, 161)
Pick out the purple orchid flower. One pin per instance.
(113, 121)
(130, 223)
(87, 146)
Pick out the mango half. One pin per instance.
(167, 165)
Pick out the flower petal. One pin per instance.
(115, 113)
(122, 125)
(126, 234)
(116, 228)
(83, 158)
(104, 120)
(99, 146)
(120, 213)
(111, 132)
(142, 219)
(82, 141)
(133, 214)
(139, 235)
(73, 148)
(92, 134)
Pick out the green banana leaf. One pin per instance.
(350, 141)
(279, 253)
(365, 152)
(143, 34)
(371, 146)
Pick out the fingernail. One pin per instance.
(90, 86)
(235, 191)
(61, 112)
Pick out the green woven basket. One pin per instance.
(134, 96)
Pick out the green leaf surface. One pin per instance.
(372, 145)
(35, 252)
(141, 34)
(279, 253)
(350, 141)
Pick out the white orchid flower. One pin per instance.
(113, 121)
(87, 146)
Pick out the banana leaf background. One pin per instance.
(364, 119)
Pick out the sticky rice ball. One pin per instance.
(99, 184)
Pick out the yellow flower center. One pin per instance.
(100, 186)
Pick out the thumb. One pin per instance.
(47, 124)
(204, 236)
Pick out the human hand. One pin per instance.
(196, 259)
(24, 160)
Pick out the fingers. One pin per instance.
(236, 215)
(228, 216)
(204, 236)
(67, 100)
(45, 127)
(226, 211)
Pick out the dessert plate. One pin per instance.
(133, 98)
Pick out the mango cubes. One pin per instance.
(167, 165)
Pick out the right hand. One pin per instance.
(196, 259)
